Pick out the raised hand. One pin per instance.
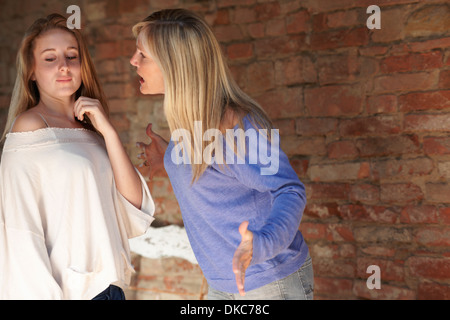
(153, 153)
(94, 110)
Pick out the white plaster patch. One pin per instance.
(164, 242)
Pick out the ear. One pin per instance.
(33, 77)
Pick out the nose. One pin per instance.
(64, 66)
(134, 60)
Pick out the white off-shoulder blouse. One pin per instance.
(64, 227)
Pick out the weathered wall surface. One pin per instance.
(363, 114)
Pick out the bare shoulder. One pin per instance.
(29, 120)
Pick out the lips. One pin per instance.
(64, 79)
(141, 80)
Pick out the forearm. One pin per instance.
(125, 175)
(280, 229)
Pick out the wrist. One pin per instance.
(109, 132)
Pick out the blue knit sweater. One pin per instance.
(225, 196)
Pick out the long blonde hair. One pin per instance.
(25, 94)
(198, 83)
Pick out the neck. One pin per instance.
(61, 107)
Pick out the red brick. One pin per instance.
(266, 11)
(345, 149)
(300, 166)
(381, 104)
(319, 22)
(395, 145)
(438, 192)
(390, 270)
(340, 39)
(417, 101)
(382, 235)
(108, 50)
(284, 103)
(400, 193)
(406, 82)
(401, 169)
(436, 145)
(338, 68)
(379, 251)
(279, 46)
(132, 5)
(340, 268)
(244, 15)
(295, 70)
(427, 123)
(426, 45)
(286, 126)
(369, 126)
(419, 214)
(118, 105)
(345, 18)
(433, 236)
(227, 33)
(433, 291)
(337, 172)
(240, 51)
(316, 126)
(429, 268)
(303, 146)
(297, 22)
(387, 292)
(444, 79)
(313, 230)
(444, 214)
(339, 233)
(261, 76)
(333, 100)
(364, 193)
(222, 17)
(412, 62)
(428, 21)
(275, 28)
(333, 287)
(327, 5)
(368, 213)
(327, 191)
(322, 211)
(256, 30)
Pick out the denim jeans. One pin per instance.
(297, 286)
(111, 293)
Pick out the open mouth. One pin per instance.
(141, 80)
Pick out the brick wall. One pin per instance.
(363, 114)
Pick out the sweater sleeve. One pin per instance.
(272, 173)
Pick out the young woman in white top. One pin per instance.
(69, 195)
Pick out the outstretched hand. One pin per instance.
(153, 153)
(243, 256)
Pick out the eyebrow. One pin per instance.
(52, 49)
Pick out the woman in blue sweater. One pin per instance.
(240, 199)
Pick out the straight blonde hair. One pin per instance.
(25, 94)
(198, 83)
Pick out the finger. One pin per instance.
(240, 279)
(83, 109)
(141, 156)
(243, 228)
(141, 145)
(149, 130)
